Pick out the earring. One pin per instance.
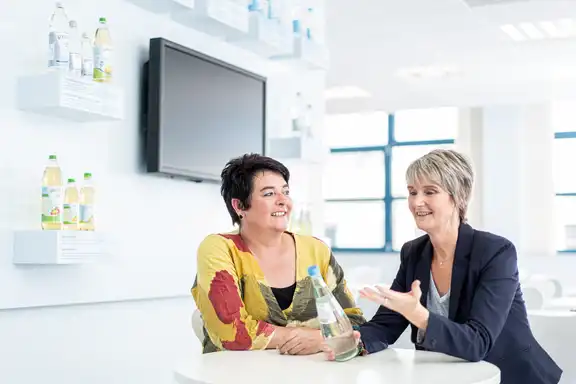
(241, 216)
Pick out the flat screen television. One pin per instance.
(199, 112)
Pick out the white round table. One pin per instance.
(398, 366)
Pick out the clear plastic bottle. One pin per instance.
(307, 123)
(103, 52)
(310, 24)
(70, 207)
(58, 38)
(297, 114)
(87, 52)
(334, 324)
(51, 216)
(87, 197)
(75, 51)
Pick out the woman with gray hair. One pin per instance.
(457, 287)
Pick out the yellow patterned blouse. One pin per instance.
(239, 308)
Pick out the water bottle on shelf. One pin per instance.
(52, 195)
(103, 51)
(87, 51)
(334, 324)
(87, 196)
(70, 207)
(75, 50)
(58, 38)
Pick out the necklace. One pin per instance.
(442, 262)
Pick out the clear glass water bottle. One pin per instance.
(334, 324)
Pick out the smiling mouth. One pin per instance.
(423, 214)
(279, 214)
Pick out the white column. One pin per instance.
(511, 148)
(469, 142)
(538, 203)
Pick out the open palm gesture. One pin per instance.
(405, 303)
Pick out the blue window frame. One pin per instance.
(380, 208)
(566, 190)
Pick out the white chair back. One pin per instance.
(533, 297)
(556, 332)
(549, 286)
(198, 325)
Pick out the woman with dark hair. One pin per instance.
(251, 287)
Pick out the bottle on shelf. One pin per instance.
(335, 326)
(87, 52)
(75, 51)
(70, 207)
(87, 195)
(275, 8)
(297, 114)
(103, 49)
(51, 217)
(309, 24)
(307, 123)
(58, 36)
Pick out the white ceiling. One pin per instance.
(370, 40)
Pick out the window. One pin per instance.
(354, 175)
(364, 181)
(564, 162)
(355, 224)
(563, 117)
(370, 129)
(565, 223)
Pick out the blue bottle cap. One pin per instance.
(296, 26)
(313, 271)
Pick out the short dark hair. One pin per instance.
(238, 179)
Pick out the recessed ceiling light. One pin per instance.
(558, 29)
(428, 72)
(345, 92)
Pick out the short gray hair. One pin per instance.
(450, 170)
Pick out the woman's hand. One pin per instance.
(329, 353)
(302, 341)
(407, 304)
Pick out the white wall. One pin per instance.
(152, 226)
(131, 342)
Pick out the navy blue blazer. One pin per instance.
(487, 315)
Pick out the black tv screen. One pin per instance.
(200, 112)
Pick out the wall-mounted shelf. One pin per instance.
(307, 53)
(306, 149)
(56, 247)
(265, 36)
(54, 93)
(219, 18)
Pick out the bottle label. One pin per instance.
(326, 313)
(70, 213)
(102, 63)
(87, 67)
(51, 208)
(86, 213)
(59, 53)
(75, 65)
